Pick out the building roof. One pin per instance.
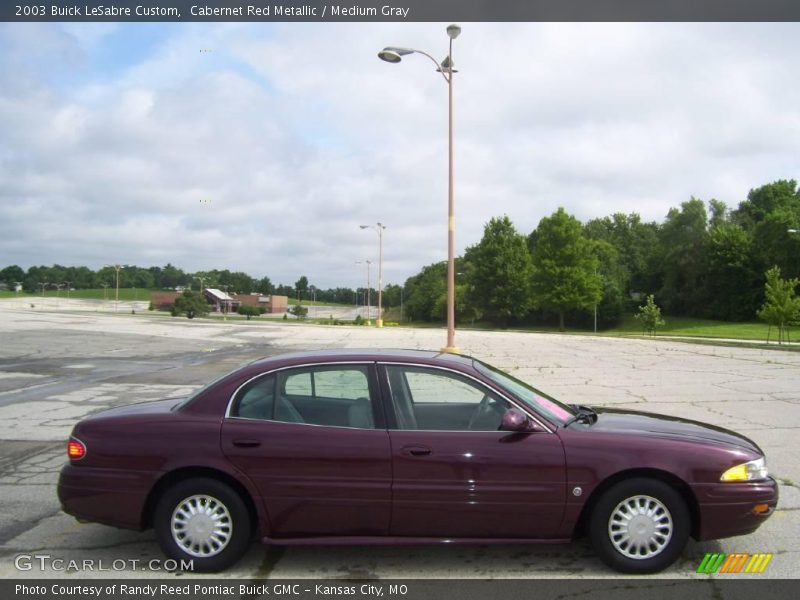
(218, 294)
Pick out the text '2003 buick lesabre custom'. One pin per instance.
(408, 447)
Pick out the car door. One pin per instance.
(455, 473)
(313, 441)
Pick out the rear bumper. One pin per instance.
(726, 509)
(105, 496)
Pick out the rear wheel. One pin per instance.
(640, 526)
(203, 521)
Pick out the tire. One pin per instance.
(651, 515)
(212, 526)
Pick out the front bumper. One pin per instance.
(727, 509)
(105, 496)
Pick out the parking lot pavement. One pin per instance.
(56, 367)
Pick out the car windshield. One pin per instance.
(537, 400)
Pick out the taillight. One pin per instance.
(76, 450)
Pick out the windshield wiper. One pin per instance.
(582, 413)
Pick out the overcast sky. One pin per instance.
(262, 147)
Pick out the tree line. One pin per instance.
(704, 260)
(168, 277)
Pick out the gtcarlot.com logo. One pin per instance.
(45, 562)
(738, 562)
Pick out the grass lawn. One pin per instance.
(126, 294)
(688, 326)
(307, 302)
(674, 326)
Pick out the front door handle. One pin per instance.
(246, 443)
(416, 450)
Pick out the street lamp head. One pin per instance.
(364, 226)
(453, 31)
(389, 56)
(393, 54)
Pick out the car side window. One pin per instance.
(256, 399)
(336, 396)
(432, 399)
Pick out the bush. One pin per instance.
(299, 311)
(249, 311)
(650, 316)
(191, 304)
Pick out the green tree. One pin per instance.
(731, 277)
(636, 243)
(565, 273)
(765, 200)
(615, 278)
(192, 304)
(249, 311)
(683, 252)
(500, 273)
(781, 307)
(170, 277)
(423, 291)
(301, 286)
(298, 310)
(392, 293)
(264, 286)
(649, 316)
(11, 275)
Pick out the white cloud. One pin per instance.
(262, 147)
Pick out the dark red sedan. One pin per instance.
(363, 446)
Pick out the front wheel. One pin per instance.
(640, 526)
(203, 521)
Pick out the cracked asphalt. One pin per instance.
(56, 367)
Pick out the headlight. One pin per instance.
(755, 469)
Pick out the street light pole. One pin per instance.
(369, 305)
(394, 55)
(378, 228)
(117, 268)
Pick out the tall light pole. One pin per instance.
(378, 228)
(117, 268)
(200, 279)
(395, 55)
(225, 303)
(369, 262)
(44, 285)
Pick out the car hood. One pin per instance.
(613, 420)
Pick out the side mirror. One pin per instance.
(516, 420)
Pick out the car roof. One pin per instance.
(366, 354)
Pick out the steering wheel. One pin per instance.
(483, 409)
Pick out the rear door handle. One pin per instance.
(416, 450)
(246, 443)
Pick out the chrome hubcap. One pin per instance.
(201, 525)
(640, 527)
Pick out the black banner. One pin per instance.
(397, 589)
(401, 10)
